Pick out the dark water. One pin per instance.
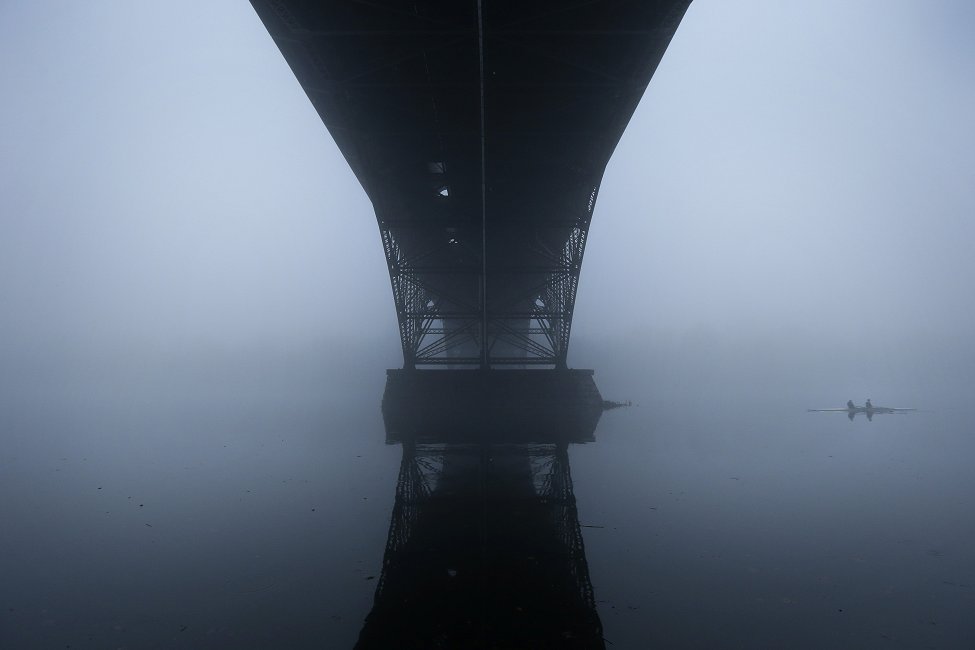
(235, 502)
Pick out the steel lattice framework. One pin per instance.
(480, 129)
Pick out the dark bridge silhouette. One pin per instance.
(485, 550)
(480, 129)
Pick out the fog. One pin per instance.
(794, 174)
(167, 184)
(797, 168)
(195, 311)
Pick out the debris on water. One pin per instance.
(591, 526)
(370, 577)
(149, 525)
(609, 404)
(182, 629)
(452, 572)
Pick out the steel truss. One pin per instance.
(438, 292)
(480, 131)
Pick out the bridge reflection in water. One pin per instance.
(485, 548)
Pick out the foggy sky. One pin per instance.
(800, 168)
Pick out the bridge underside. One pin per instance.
(480, 130)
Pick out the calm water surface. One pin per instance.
(226, 503)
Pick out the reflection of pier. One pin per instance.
(484, 551)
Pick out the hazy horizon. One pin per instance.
(196, 319)
(789, 176)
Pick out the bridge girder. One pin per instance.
(480, 130)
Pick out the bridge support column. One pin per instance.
(517, 405)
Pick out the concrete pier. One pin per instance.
(491, 406)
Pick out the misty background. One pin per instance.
(195, 320)
(797, 182)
